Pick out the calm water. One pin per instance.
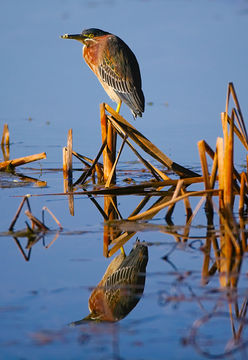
(188, 51)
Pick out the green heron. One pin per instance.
(121, 287)
(115, 66)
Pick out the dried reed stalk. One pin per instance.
(148, 146)
(140, 206)
(204, 165)
(238, 113)
(82, 158)
(45, 208)
(228, 164)
(213, 175)
(220, 154)
(110, 177)
(21, 161)
(154, 171)
(36, 221)
(5, 136)
(141, 189)
(174, 196)
(86, 161)
(25, 199)
(65, 166)
(68, 171)
(103, 119)
(203, 148)
(225, 239)
(238, 132)
(69, 157)
(88, 172)
(65, 171)
(243, 190)
(157, 208)
(243, 233)
(109, 153)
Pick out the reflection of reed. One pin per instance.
(224, 247)
(33, 232)
(121, 287)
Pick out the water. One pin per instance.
(188, 51)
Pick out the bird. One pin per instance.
(115, 66)
(121, 287)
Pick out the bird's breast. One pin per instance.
(90, 55)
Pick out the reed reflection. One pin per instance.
(224, 306)
(121, 287)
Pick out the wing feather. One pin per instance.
(119, 69)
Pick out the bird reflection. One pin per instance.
(121, 287)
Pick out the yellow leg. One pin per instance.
(123, 251)
(118, 107)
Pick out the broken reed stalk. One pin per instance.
(36, 221)
(109, 153)
(111, 175)
(69, 157)
(134, 189)
(238, 132)
(86, 161)
(88, 172)
(228, 242)
(220, 153)
(25, 199)
(202, 148)
(154, 171)
(5, 136)
(243, 190)
(45, 208)
(239, 116)
(174, 196)
(228, 164)
(38, 183)
(67, 171)
(157, 208)
(204, 165)
(147, 145)
(65, 162)
(21, 161)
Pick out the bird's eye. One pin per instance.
(90, 35)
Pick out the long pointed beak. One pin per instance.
(82, 321)
(78, 37)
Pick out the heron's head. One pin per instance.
(87, 37)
